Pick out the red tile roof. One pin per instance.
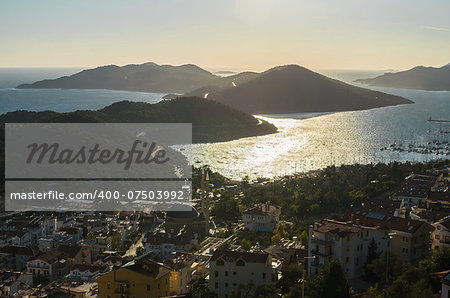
(233, 256)
(148, 267)
(439, 196)
(18, 250)
(262, 209)
(336, 227)
(394, 223)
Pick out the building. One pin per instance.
(385, 206)
(440, 237)
(410, 238)
(139, 278)
(50, 266)
(346, 241)
(262, 217)
(54, 241)
(16, 238)
(164, 244)
(16, 256)
(85, 272)
(192, 221)
(415, 189)
(37, 226)
(76, 254)
(445, 290)
(230, 268)
(97, 245)
(13, 282)
(441, 197)
(185, 267)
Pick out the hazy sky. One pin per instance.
(229, 34)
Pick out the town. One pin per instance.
(349, 231)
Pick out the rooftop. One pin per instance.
(233, 256)
(148, 267)
(263, 209)
(383, 221)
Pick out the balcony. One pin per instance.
(321, 254)
(321, 242)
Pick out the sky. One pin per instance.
(226, 34)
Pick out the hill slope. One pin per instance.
(211, 121)
(420, 77)
(294, 89)
(148, 77)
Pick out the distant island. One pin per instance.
(211, 121)
(295, 89)
(147, 77)
(419, 78)
(280, 90)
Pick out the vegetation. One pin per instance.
(332, 191)
(331, 281)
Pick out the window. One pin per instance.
(437, 237)
(346, 259)
(108, 285)
(220, 262)
(264, 275)
(148, 287)
(226, 285)
(240, 263)
(216, 285)
(226, 273)
(234, 272)
(216, 273)
(405, 239)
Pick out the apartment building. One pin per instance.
(230, 268)
(440, 237)
(262, 217)
(410, 238)
(346, 241)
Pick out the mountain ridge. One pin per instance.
(417, 78)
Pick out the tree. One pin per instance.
(279, 233)
(439, 261)
(266, 291)
(372, 254)
(290, 277)
(413, 282)
(243, 290)
(245, 244)
(331, 281)
(394, 270)
(304, 238)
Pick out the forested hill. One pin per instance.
(211, 121)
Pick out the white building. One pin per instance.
(164, 244)
(85, 272)
(348, 242)
(440, 237)
(262, 217)
(229, 268)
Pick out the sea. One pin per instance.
(304, 142)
